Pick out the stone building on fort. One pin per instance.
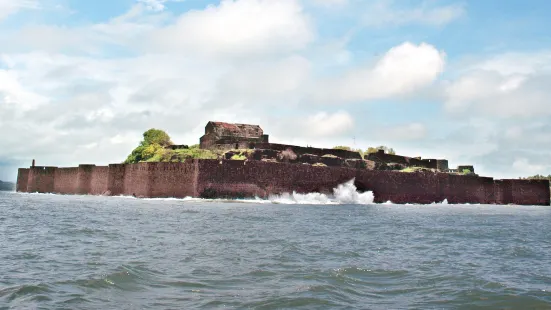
(226, 136)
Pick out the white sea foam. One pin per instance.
(345, 193)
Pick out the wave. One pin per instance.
(345, 193)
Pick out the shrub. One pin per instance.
(135, 156)
(238, 157)
(412, 169)
(238, 154)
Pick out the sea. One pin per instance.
(292, 251)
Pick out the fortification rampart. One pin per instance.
(234, 179)
(300, 150)
(382, 157)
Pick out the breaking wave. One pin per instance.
(345, 193)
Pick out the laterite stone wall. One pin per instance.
(234, 179)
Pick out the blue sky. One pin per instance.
(463, 80)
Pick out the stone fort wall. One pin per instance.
(233, 179)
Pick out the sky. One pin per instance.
(468, 81)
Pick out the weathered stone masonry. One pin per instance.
(233, 178)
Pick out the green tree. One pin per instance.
(156, 136)
(151, 148)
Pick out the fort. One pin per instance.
(271, 168)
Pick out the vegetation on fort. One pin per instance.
(237, 154)
(413, 169)
(538, 177)
(238, 157)
(153, 149)
(416, 169)
(388, 150)
(192, 153)
(343, 147)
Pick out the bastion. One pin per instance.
(267, 172)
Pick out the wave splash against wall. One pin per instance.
(345, 193)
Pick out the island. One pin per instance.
(238, 161)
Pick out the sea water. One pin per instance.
(291, 251)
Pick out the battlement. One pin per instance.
(301, 150)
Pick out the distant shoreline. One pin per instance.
(7, 186)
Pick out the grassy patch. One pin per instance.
(183, 154)
(238, 157)
(240, 154)
(412, 169)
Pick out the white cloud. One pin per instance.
(330, 3)
(241, 28)
(403, 69)
(262, 80)
(238, 28)
(76, 102)
(525, 168)
(412, 131)
(323, 124)
(14, 96)
(156, 5)
(384, 13)
(515, 63)
(8, 7)
(503, 86)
